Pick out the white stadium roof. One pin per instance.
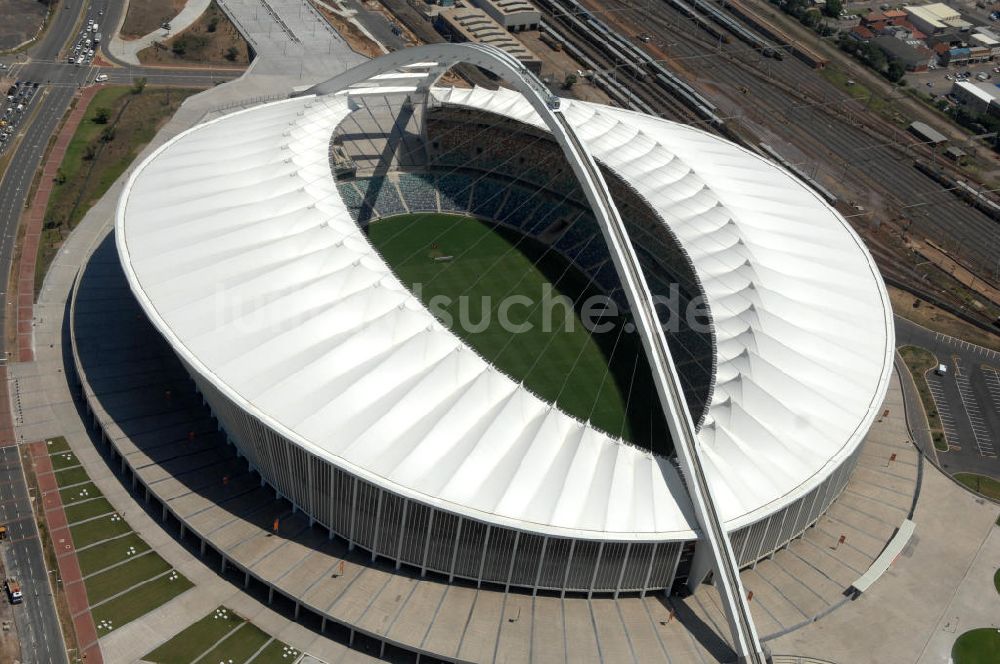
(239, 248)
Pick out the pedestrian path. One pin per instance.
(34, 219)
(127, 50)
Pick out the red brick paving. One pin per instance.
(62, 540)
(7, 437)
(33, 220)
(69, 566)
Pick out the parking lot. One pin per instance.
(967, 397)
(939, 81)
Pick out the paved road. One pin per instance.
(36, 619)
(967, 398)
(37, 624)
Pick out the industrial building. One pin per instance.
(513, 15)
(978, 98)
(935, 18)
(470, 24)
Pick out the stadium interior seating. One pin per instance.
(516, 176)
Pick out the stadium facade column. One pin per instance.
(437, 58)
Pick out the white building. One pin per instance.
(935, 18)
(979, 98)
(356, 403)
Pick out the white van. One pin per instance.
(941, 370)
(101, 78)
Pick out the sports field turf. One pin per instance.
(560, 362)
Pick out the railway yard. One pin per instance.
(696, 63)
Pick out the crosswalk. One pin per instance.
(944, 410)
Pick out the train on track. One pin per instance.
(628, 60)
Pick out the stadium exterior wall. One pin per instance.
(430, 539)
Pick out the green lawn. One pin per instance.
(977, 646)
(57, 444)
(77, 493)
(103, 555)
(63, 460)
(982, 484)
(239, 646)
(71, 476)
(276, 652)
(91, 532)
(919, 361)
(560, 362)
(101, 149)
(118, 579)
(87, 510)
(189, 644)
(138, 602)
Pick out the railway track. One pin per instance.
(659, 90)
(851, 149)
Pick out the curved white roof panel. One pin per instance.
(236, 242)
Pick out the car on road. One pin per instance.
(101, 78)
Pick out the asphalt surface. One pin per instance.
(967, 397)
(37, 623)
(36, 619)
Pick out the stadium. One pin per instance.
(333, 270)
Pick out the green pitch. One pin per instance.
(464, 270)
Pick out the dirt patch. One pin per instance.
(20, 20)
(942, 259)
(920, 311)
(145, 16)
(10, 648)
(356, 39)
(211, 40)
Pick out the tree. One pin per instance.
(569, 81)
(896, 71)
(102, 115)
(108, 134)
(213, 24)
(833, 8)
(231, 53)
(138, 85)
(179, 47)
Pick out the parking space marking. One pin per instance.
(993, 385)
(979, 429)
(944, 411)
(967, 346)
